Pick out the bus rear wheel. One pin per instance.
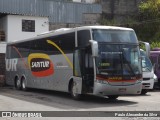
(73, 92)
(18, 84)
(113, 97)
(24, 84)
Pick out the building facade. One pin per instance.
(40, 16)
(119, 9)
(22, 19)
(85, 1)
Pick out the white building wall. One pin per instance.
(85, 1)
(14, 28)
(2, 47)
(3, 26)
(76, 0)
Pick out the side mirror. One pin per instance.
(94, 47)
(147, 47)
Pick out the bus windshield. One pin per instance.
(118, 60)
(103, 35)
(146, 63)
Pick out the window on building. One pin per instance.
(28, 25)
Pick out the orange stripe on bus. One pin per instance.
(21, 57)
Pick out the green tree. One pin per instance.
(150, 9)
(149, 21)
(146, 23)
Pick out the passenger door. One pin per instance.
(83, 69)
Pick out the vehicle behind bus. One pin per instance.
(148, 73)
(155, 59)
(97, 60)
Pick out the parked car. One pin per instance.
(148, 73)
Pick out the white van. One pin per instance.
(148, 73)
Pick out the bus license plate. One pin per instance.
(122, 89)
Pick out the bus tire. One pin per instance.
(143, 92)
(24, 84)
(73, 93)
(18, 83)
(112, 97)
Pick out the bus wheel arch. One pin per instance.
(17, 82)
(70, 85)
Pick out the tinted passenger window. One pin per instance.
(65, 42)
(23, 48)
(83, 37)
(19, 50)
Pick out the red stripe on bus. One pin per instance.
(114, 80)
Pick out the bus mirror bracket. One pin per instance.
(147, 47)
(94, 47)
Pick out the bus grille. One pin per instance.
(145, 79)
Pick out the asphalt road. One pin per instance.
(42, 100)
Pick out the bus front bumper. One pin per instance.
(106, 89)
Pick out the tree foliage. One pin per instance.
(150, 9)
(146, 23)
(149, 18)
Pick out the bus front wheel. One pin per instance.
(73, 92)
(113, 97)
(144, 91)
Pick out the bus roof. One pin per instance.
(69, 30)
(104, 27)
(154, 53)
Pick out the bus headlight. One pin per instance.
(102, 81)
(139, 81)
(155, 78)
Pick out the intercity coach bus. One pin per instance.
(96, 60)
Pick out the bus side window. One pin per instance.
(83, 37)
(65, 41)
(24, 48)
(41, 45)
(8, 51)
(20, 50)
